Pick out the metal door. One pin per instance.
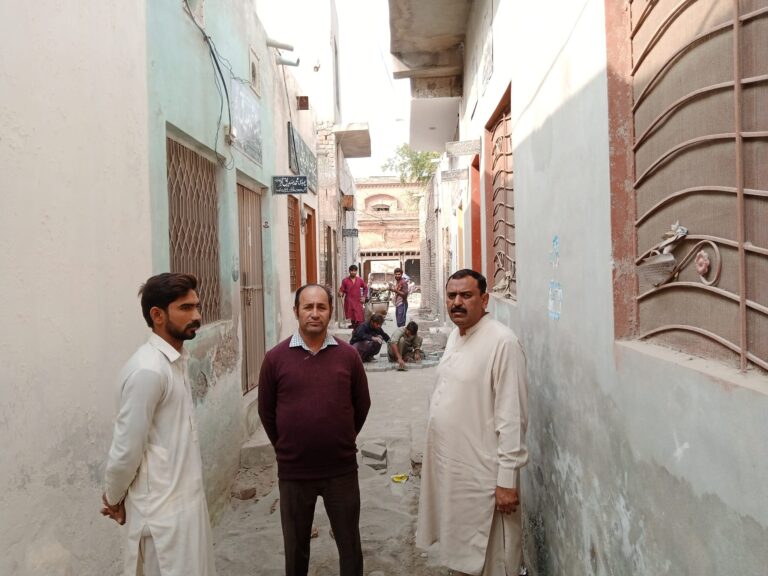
(251, 285)
(310, 245)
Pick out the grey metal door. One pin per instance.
(251, 285)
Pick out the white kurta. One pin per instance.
(475, 441)
(155, 460)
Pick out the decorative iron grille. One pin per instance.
(700, 79)
(193, 223)
(503, 201)
(293, 243)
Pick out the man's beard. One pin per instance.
(183, 334)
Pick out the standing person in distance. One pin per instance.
(154, 476)
(354, 292)
(475, 440)
(313, 401)
(400, 288)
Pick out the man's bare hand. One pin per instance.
(507, 500)
(401, 364)
(116, 512)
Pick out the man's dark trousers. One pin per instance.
(341, 498)
(400, 311)
(367, 349)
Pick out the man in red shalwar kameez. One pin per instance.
(353, 290)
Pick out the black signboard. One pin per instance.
(301, 160)
(346, 232)
(289, 184)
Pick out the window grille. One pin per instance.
(294, 254)
(193, 223)
(503, 202)
(700, 78)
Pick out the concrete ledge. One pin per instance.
(251, 411)
(257, 451)
(386, 365)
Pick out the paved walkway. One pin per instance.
(249, 539)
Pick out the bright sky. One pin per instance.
(368, 91)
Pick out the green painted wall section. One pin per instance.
(184, 102)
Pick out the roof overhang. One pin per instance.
(427, 38)
(354, 139)
(433, 122)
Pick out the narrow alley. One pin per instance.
(174, 173)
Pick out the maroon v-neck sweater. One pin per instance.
(312, 408)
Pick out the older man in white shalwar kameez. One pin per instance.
(475, 441)
(154, 477)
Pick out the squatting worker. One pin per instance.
(313, 401)
(154, 477)
(475, 440)
(368, 338)
(405, 345)
(354, 291)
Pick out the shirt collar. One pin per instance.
(168, 351)
(477, 326)
(297, 341)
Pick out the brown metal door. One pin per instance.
(310, 245)
(251, 285)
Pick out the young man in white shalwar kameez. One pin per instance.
(154, 478)
(475, 440)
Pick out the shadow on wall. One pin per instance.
(595, 502)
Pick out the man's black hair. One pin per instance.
(412, 327)
(353, 267)
(302, 288)
(163, 289)
(464, 272)
(377, 319)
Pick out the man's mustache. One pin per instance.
(195, 324)
(458, 309)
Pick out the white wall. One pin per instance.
(642, 459)
(310, 28)
(74, 247)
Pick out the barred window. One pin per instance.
(193, 223)
(294, 248)
(501, 202)
(699, 82)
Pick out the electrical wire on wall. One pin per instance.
(217, 60)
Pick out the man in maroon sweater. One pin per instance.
(313, 400)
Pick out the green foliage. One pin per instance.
(412, 166)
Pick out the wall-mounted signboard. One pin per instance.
(246, 120)
(289, 184)
(301, 159)
(463, 148)
(349, 232)
(447, 175)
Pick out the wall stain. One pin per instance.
(212, 358)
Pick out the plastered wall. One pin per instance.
(75, 243)
(643, 460)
